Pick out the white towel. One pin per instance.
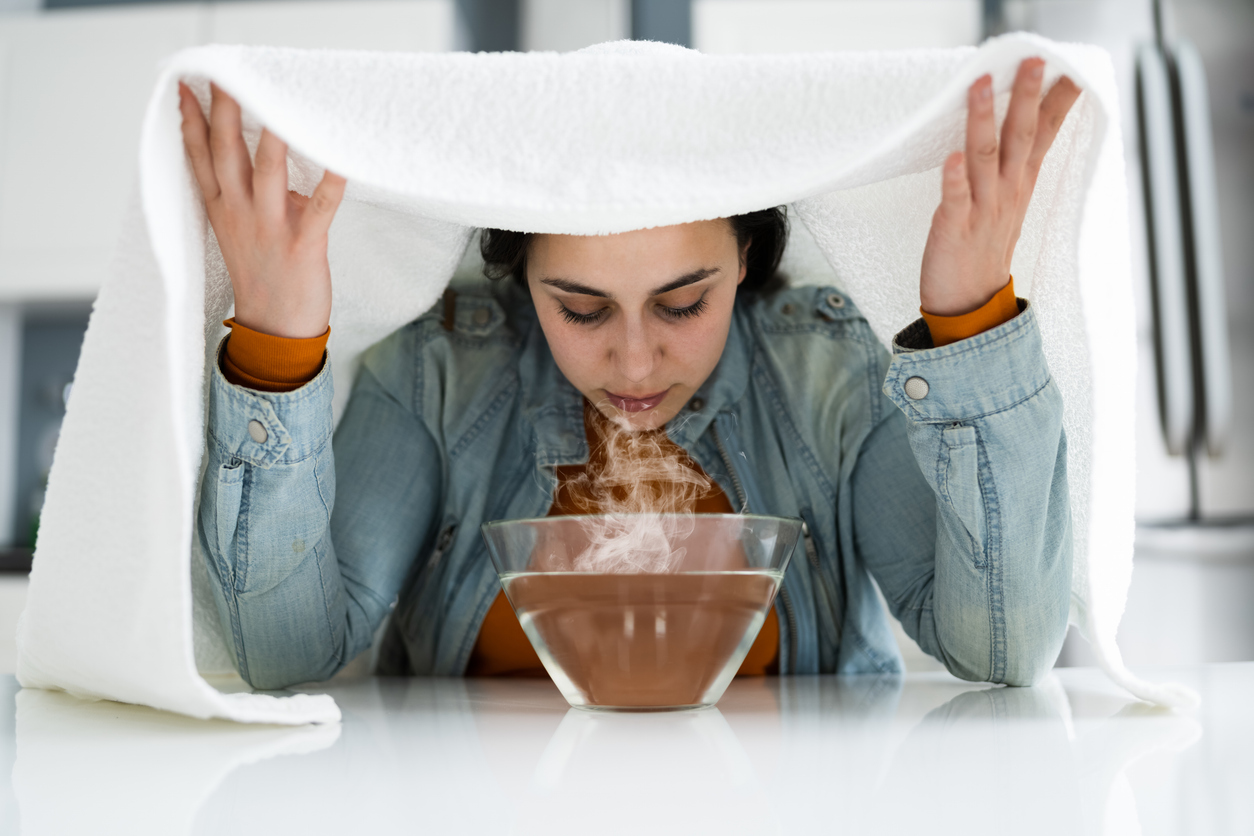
(608, 139)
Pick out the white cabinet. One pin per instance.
(390, 25)
(563, 25)
(753, 26)
(74, 90)
(73, 87)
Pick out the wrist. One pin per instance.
(1003, 307)
(289, 323)
(961, 301)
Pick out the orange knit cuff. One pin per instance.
(1003, 307)
(268, 363)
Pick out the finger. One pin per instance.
(226, 142)
(270, 177)
(196, 142)
(955, 188)
(1018, 132)
(1054, 108)
(320, 210)
(981, 145)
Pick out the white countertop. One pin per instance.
(920, 754)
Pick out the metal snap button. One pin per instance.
(696, 404)
(835, 300)
(258, 432)
(787, 309)
(482, 315)
(916, 388)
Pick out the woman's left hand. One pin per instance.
(985, 191)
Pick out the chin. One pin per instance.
(652, 419)
(649, 419)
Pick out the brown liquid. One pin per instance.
(642, 640)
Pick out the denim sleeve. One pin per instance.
(961, 505)
(302, 581)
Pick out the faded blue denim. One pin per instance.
(955, 503)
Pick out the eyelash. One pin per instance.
(695, 309)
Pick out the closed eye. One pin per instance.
(695, 309)
(575, 318)
(581, 319)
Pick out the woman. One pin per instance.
(938, 471)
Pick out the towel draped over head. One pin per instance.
(608, 139)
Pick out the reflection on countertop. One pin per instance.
(922, 753)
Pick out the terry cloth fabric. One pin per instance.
(612, 138)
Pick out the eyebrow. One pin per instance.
(582, 289)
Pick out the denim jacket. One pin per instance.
(937, 473)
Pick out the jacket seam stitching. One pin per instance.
(337, 649)
(993, 564)
(981, 559)
(270, 459)
(241, 560)
(1020, 331)
(241, 549)
(874, 385)
(950, 419)
(322, 497)
(242, 395)
(958, 350)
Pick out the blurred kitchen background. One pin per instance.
(75, 76)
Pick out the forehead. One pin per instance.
(642, 258)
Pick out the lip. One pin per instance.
(630, 404)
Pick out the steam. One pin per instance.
(642, 479)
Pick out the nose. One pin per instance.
(634, 354)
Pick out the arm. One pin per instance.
(303, 581)
(974, 555)
(961, 509)
(268, 491)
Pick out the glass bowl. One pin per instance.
(642, 612)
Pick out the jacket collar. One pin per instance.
(552, 409)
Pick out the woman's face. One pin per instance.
(637, 321)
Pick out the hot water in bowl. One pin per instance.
(638, 612)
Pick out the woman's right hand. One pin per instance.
(274, 241)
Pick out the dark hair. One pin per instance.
(765, 231)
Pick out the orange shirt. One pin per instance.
(277, 364)
(503, 649)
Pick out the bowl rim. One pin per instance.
(576, 517)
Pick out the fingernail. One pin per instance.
(986, 91)
(1037, 71)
